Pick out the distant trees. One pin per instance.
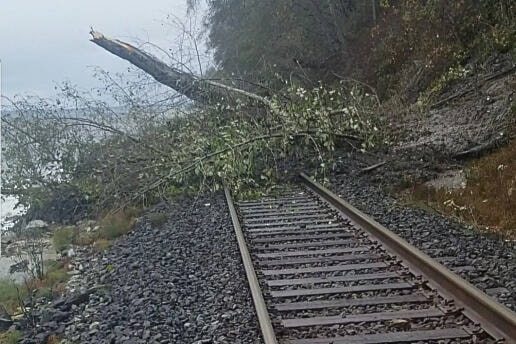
(382, 42)
(306, 39)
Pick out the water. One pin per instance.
(7, 210)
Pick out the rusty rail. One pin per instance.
(494, 318)
(261, 309)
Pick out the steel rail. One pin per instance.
(261, 309)
(495, 319)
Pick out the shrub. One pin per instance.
(116, 225)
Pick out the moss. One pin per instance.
(158, 219)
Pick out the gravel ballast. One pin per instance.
(493, 261)
(182, 282)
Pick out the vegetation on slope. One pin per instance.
(488, 198)
(396, 46)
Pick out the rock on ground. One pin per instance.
(182, 282)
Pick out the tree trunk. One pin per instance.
(198, 90)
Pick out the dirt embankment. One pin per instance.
(471, 118)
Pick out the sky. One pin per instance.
(46, 42)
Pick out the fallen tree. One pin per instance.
(200, 90)
(147, 147)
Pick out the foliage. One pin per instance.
(85, 152)
(416, 42)
(440, 84)
(50, 285)
(310, 38)
(153, 153)
(397, 46)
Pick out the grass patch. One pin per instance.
(158, 219)
(488, 200)
(116, 225)
(102, 244)
(10, 337)
(64, 237)
(9, 295)
(51, 285)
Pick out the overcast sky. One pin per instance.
(46, 41)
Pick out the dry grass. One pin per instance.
(53, 339)
(489, 198)
(101, 244)
(53, 284)
(118, 224)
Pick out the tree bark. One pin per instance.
(198, 90)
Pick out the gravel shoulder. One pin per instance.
(182, 282)
(493, 261)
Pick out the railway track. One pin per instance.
(322, 272)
